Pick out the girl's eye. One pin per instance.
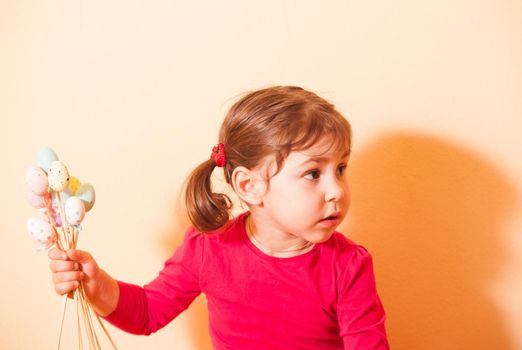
(312, 175)
(341, 169)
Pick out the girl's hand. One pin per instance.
(72, 266)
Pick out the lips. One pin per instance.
(334, 216)
(330, 221)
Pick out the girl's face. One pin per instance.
(309, 197)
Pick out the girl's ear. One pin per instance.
(248, 185)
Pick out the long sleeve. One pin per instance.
(360, 311)
(143, 310)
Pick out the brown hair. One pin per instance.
(269, 122)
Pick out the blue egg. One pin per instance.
(45, 157)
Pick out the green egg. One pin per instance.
(86, 193)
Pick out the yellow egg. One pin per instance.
(74, 183)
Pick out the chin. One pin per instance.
(320, 237)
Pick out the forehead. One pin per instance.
(323, 151)
(324, 148)
(327, 147)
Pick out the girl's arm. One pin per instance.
(72, 266)
(146, 309)
(135, 309)
(360, 311)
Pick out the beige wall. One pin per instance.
(131, 95)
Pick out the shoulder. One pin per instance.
(348, 256)
(222, 236)
(344, 247)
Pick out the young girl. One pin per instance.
(277, 276)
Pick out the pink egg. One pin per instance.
(41, 231)
(35, 200)
(36, 180)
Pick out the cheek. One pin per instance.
(298, 196)
(347, 198)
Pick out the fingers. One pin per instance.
(60, 261)
(68, 281)
(80, 256)
(66, 267)
(66, 287)
(57, 254)
(63, 265)
(68, 276)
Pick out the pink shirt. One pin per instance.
(325, 298)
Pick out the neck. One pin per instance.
(274, 246)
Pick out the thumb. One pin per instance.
(80, 256)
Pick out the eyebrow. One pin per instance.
(320, 159)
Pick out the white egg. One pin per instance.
(74, 210)
(58, 176)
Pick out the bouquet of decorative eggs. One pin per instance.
(63, 200)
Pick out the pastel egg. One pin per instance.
(74, 210)
(35, 200)
(86, 193)
(45, 157)
(36, 180)
(40, 230)
(58, 176)
(66, 195)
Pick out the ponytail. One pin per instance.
(206, 210)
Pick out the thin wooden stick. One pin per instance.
(58, 243)
(61, 323)
(92, 325)
(95, 335)
(80, 341)
(99, 321)
(73, 245)
(106, 332)
(65, 223)
(62, 217)
(65, 243)
(48, 209)
(75, 237)
(80, 302)
(84, 318)
(59, 239)
(89, 320)
(88, 317)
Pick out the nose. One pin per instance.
(334, 191)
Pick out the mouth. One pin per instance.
(331, 220)
(332, 217)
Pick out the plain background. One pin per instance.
(131, 94)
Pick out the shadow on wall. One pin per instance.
(433, 216)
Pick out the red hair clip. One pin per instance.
(218, 154)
